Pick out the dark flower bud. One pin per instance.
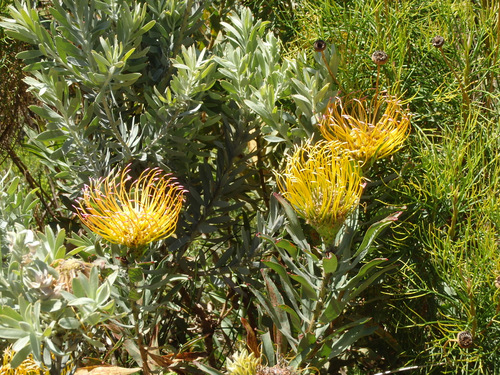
(464, 339)
(319, 45)
(438, 41)
(379, 57)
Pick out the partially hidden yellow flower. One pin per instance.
(27, 367)
(132, 213)
(370, 129)
(323, 184)
(243, 363)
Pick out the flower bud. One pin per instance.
(438, 41)
(319, 45)
(464, 339)
(379, 57)
(497, 282)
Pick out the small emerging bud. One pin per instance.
(379, 57)
(497, 282)
(438, 41)
(464, 339)
(319, 45)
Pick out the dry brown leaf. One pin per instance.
(252, 342)
(167, 360)
(106, 370)
(190, 356)
(162, 360)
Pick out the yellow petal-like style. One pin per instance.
(370, 129)
(323, 184)
(132, 213)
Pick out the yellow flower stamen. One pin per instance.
(133, 216)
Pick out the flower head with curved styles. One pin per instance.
(27, 367)
(323, 184)
(370, 129)
(132, 213)
(243, 363)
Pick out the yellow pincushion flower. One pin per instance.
(323, 184)
(243, 363)
(132, 214)
(370, 129)
(27, 367)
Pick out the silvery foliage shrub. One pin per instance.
(142, 83)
